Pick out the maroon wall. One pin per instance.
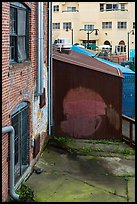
(87, 103)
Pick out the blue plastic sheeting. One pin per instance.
(128, 95)
(132, 54)
(128, 82)
(113, 64)
(123, 69)
(82, 50)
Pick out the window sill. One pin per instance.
(25, 63)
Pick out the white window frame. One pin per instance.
(107, 25)
(113, 8)
(88, 27)
(123, 6)
(56, 8)
(71, 9)
(67, 25)
(102, 7)
(121, 25)
(120, 49)
(56, 26)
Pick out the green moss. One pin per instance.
(63, 139)
(25, 192)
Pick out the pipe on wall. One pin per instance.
(40, 49)
(50, 70)
(10, 129)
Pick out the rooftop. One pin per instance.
(86, 61)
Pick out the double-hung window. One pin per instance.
(121, 25)
(106, 25)
(18, 32)
(71, 9)
(56, 8)
(56, 25)
(67, 25)
(89, 27)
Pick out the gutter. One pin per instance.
(10, 129)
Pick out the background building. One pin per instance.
(98, 23)
(24, 105)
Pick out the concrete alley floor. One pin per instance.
(84, 171)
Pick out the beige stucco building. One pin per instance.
(113, 23)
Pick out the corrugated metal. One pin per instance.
(128, 84)
(87, 97)
(87, 62)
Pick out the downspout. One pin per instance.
(40, 50)
(50, 70)
(11, 130)
(38, 77)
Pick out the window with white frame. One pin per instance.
(19, 35)
(88, 27)
(121, 48)
(101, 7)
(122, 7)
(122, 25)
(66, 25)
(56, 25)
(56, 8)
(111, 7)
(71, 9)
(106, 25)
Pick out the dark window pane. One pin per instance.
(13, 21)
(12, 48)
(21, 22)
(21, 49)
(109, 7)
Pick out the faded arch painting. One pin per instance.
(83, 110)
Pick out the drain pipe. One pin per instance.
(12, 134)
(40, 49)
(50, 70)
(39, 20)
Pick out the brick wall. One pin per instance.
(17, 80)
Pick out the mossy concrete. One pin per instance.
(72, 177)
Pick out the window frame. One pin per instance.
(17, 6)
(56, 8)
(107, 25)
(102, 7)
(71, 9)
(67, 25)
(133, 25)
(122, 25)
(56, 26)
(89, 27)
(112, 7)
(123, 6)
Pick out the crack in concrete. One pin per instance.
(94, 185)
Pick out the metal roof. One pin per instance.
(85, 61)
(123, 69)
